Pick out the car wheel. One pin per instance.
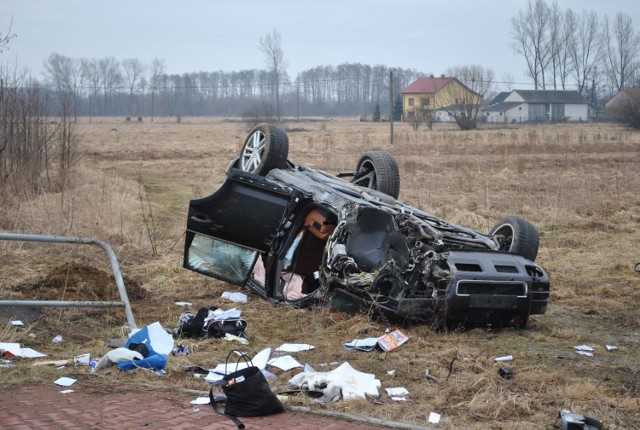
(265, 148)
(517, 236)
(379, 171)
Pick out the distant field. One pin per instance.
(578, 183)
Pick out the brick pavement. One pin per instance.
(41, 407)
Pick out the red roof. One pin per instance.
(426, 85)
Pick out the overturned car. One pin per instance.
(302, 236)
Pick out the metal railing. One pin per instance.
(124, 299)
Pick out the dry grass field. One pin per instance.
(579, 184)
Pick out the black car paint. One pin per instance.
(264, 214)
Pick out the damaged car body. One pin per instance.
(301, 236)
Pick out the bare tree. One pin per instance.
(467, 98)
(133, 74)
(529, 32)
(622, 46)
(271, 47)
(6, 37)
(158, 69)
(110, 77)
(584, 46)
(558, 47)
(90, 74)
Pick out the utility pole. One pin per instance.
(298, 102)
(391, 104)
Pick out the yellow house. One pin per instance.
(434, 94)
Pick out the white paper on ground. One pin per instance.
(367, 344)
(184, 303)
(294, 347)
(31, 353)
(585, 353)
(13, 348)
(583, 348)
(260, 361)
(397, 391)
(611, 347)
(398, 399)
(285, 363)
(17, 323)
(434, 418)
(66, 391)
(200, 401)
(235, 297)
(65, 381)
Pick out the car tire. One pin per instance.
(265, 148)
(517, 236)
(378, 170)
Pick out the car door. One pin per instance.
(227, 230)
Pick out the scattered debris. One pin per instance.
(65, 381)
(392, 340)
(434, 418)
(611, 347)
(584, 348)
(66, 391)
(184, 303)
(428, 375)
(231, 337)
(82, 360)
(13, 350)
(7, 363)
(17, 323)
(387, 342)
(200, 401)
(180, 350)
(393, 372)
(235, 297)
(344, 381)
(294, 347)
(368, 344)
(58, 339)
(504, 358)
(506, 373)
(117, 355)
(285, 363)
(52, 362)
(158, 343)
(572, 421)
(397, 394)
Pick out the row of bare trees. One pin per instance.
(564, 48)
(131, 88)
(37, 136)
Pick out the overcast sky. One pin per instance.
(208, 35)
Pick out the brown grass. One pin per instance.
(578, 183)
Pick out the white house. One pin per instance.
(536, 106)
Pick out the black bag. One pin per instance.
(191, 325)
(234, 326)
(248, 393)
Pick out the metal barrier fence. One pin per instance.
(124, 299)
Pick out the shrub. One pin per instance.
(625, 108)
